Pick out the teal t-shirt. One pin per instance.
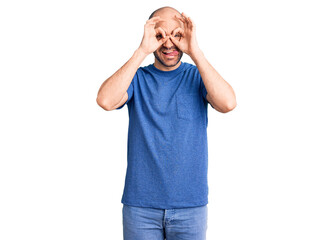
(167, 153)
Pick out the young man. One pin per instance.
(166, 190)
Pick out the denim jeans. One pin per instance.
(159, 224)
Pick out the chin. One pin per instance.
(168, 62)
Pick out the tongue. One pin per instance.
(174, 53)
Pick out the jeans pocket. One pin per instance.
(188, 106)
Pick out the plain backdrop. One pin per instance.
(63, 158)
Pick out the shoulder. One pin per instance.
(192, 70)
(189, 66)
(142, 72)
(143, 69)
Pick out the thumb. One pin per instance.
(163, 40)
(175, 41)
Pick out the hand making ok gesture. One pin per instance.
(149, 41)
(187, 43)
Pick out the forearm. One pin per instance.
(221, 94)
(114, 88)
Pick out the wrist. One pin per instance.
(195, 54)
(142, 52)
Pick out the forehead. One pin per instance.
(170, 20)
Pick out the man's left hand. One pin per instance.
(187, 41)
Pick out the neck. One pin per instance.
(161, 67)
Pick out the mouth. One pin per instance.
(170, 53)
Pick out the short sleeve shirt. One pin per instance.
(167, 153)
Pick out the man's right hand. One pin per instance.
(112, 94)
(153, 37)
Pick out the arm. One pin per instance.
(113, 91)
(219, 93)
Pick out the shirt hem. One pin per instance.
(165, 206)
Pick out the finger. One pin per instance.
(178, 30)
(175, 41)
(186, 18)
(163, 40)
(184, 15)
(181, 18)
(153, 19)
(161, 31)
(191, 23)
(152, 24)
(190, 20)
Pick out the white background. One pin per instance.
(63, 158)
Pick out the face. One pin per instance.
(167, 56)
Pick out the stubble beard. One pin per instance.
(166, 65)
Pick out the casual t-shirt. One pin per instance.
(167, 153)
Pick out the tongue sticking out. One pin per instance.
(174, 53)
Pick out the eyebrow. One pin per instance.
(171, 31)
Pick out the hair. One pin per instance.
(152, 14)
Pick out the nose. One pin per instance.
(168, 43)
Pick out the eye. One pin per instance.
(159, 36)
(177, 35)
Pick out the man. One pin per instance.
(166, 191)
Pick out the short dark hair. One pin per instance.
(152, 14)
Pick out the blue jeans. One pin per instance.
(159, 224)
